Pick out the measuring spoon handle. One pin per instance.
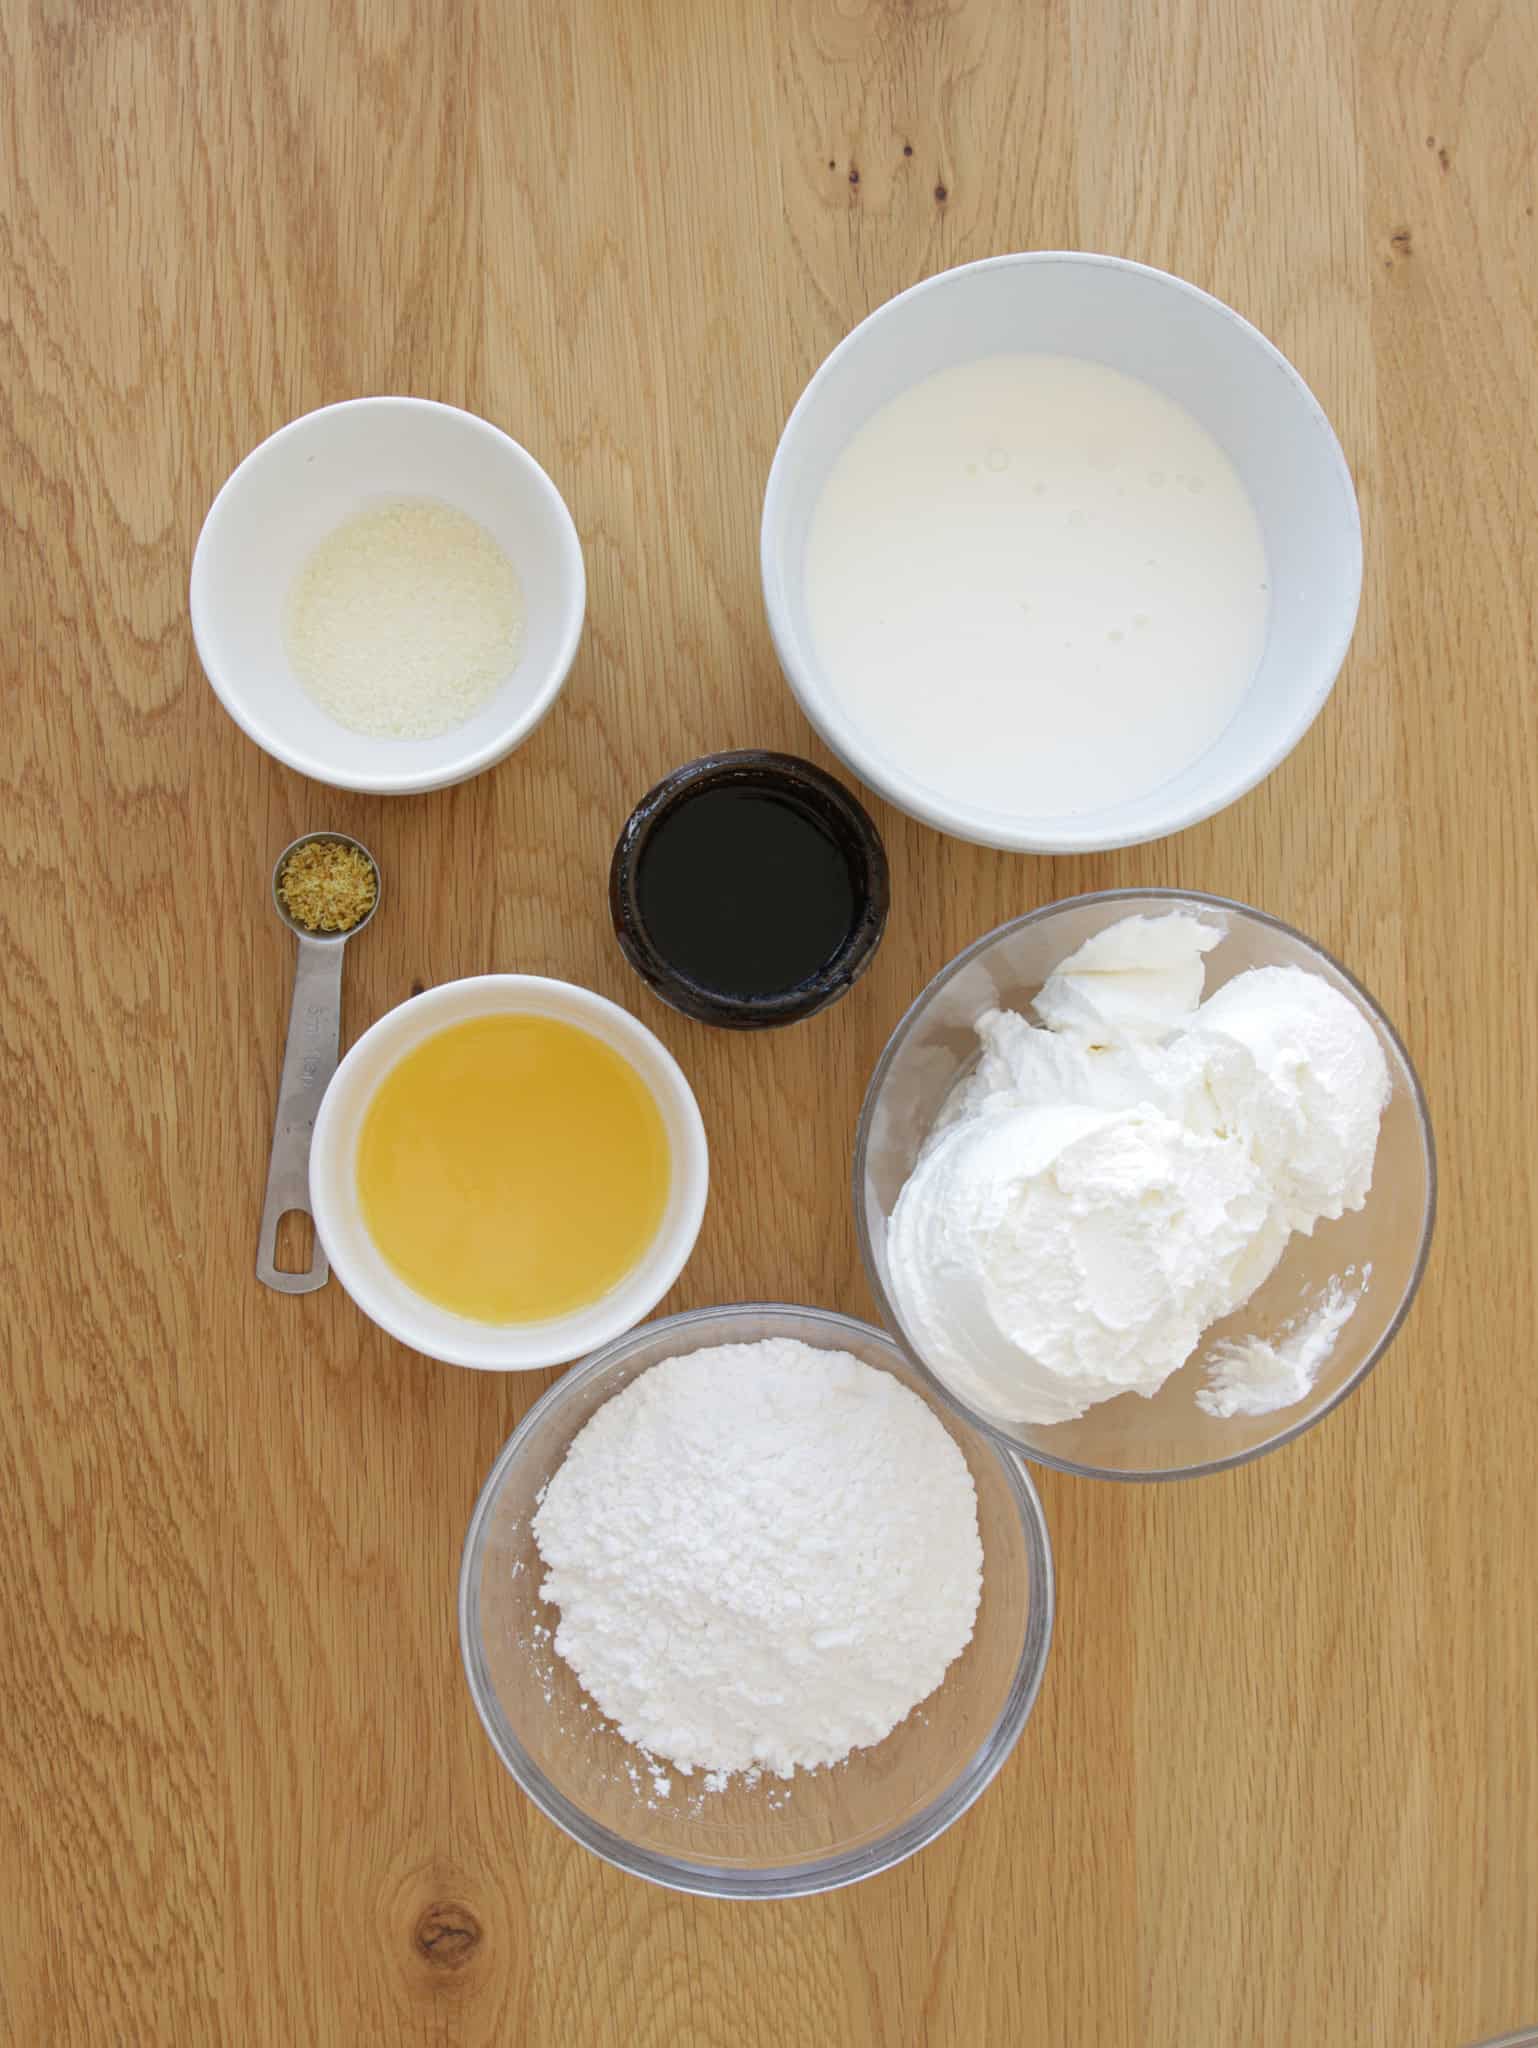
(309, 1061)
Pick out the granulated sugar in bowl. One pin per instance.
(405, 619)
(387, 594)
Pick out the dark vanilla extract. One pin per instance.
(745, 891)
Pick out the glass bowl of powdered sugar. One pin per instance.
(1145, 1180)
(747, 1610)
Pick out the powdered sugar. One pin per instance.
(1258, 1377)
(765, 1556)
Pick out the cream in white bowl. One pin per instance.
(1059, 553)
(377, 1286)
(301, 486)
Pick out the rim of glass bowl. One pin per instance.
(791, 1880)
(899, 1036)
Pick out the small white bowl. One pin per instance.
(1185, 344)
(303, 482)
(372, 1282)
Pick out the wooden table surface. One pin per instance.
(1282, 1783)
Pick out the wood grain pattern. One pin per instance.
(1282, 1783)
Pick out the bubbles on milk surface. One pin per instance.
(977, 547)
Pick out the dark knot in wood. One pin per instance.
(447, 1935)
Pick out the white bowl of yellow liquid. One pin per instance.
(508, 1171)
(1059, 553)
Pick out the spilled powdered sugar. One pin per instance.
(1258, 1377)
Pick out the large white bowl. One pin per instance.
(373, 1283)
(305, 480)
(1195, 350)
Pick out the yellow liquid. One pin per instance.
(513, 1168)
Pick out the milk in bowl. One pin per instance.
(1036, 585)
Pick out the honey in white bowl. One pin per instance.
(513, 1168)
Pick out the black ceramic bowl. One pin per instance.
(839, 819)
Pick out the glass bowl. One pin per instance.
(781, 1838)
(1380, 1249)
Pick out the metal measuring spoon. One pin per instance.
(309, 1061)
